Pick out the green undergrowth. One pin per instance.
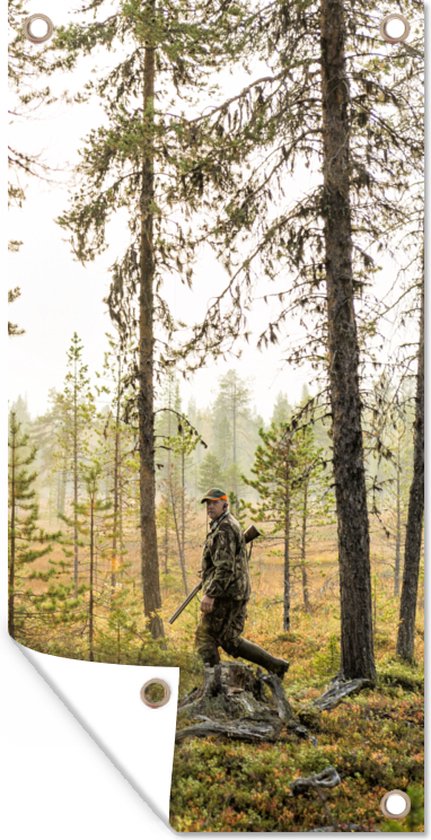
(373, 739)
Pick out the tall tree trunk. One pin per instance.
(374, 599)
(169, 482)
(234, 446)
(116, 512)
(12, 494)
(75, 481)
(92, 584)
(412, 551)
(120, 516)
(117, 480)
(61, 486)
(353, 535)
(149, 553)
(118, 643)
(398, 525)
(304, 576)
(179, 541)
(183, 505)
(286, 565)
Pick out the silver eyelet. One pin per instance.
(394, 39)
(28, 31)
(149, 688)
(392, 804)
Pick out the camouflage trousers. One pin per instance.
(220, 628)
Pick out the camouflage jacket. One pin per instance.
(224, 561)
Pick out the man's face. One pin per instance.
(215, 508)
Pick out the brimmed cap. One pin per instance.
(214, 495)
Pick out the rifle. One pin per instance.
(249, 535)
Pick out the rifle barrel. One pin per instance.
(186, 602)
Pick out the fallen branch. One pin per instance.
(328, 778)
(253, 731)
(339, 690)
(318, 783)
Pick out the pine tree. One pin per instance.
(179, 439)
(281, 411)
(134, 162)
(12, 295)
(183, 445)
(388, 425)
(92, 527)
(211, 473)
(164, 426)
(412, 554)
(331, 102)
(398, 498)
(314, 502)
(76, 407)
(116, 444)
(25, 70)
(120, 637)
(289, 469)
(22, 414)
(235, 433)
(27, 541)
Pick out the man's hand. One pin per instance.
(207, 604)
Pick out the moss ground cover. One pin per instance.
(373, 739)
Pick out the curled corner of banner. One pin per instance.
(107, 699)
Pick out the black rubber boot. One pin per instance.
(254, 653)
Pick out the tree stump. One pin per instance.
(237, 702)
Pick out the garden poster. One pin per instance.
(216, 403)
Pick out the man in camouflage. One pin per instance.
(226, 588)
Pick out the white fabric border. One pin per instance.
(105, 699)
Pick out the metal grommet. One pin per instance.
(33, 36)
(155, 693)
(396, 804)
(395, 38)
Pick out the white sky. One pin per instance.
(59, 296)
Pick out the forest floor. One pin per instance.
(373, 739)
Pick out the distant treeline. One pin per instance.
(74, 495)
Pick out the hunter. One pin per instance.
(226, 587)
